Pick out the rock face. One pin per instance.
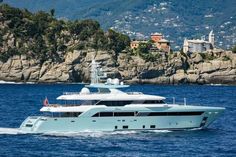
(218, 68)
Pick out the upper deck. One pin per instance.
(113, 95)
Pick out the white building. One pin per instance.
(199, 45)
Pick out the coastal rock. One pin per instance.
(133, 69)
(197, 58)
(73, 57)
(214, 65)
(180, 77)
(192, 78)
(57, 73)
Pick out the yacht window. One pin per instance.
(114, 103)
(106, 114)
(152, 126)
(153, 102)
(125, 127)
(143, 114)
(120, 114)
(96, 115)
(184, 113)
(89, 102)
(68, 114)
(72, 102)
(28, 125)
(115, 114)
(170, 113)
(75, 114)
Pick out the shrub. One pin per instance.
(226, 58)
(234, 49)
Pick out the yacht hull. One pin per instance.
(86, 122)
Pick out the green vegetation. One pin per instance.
(41, 36)
(143, 51)
(143, 48)
(226, 58)
(151, 57)
(207, 56)
(234, 49)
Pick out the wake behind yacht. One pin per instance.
(111, 109)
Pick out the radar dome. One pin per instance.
(116, 81)
(109, 80)
(84, 91)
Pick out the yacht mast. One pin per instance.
(96, 73)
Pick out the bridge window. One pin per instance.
(114, 103)
(153, 102)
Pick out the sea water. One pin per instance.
(17, 101)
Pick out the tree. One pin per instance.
(39, 35)
(117, 41)
(234, 49)
(52, 12)
(143, 48)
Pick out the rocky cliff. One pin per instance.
(218, 67)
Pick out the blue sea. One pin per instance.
(17, 101)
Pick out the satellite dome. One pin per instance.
(116, 81)
(109, 80)
(84, 91)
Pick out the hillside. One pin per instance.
(138, 18)
(43, 37)
(36, 47)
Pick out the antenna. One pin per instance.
(185, 102)
(96, 72)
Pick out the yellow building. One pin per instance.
(163, 45)
(135, 44)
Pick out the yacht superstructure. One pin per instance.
(110, 109)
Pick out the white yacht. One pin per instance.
(110, 109)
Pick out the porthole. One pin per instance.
(125, 127)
